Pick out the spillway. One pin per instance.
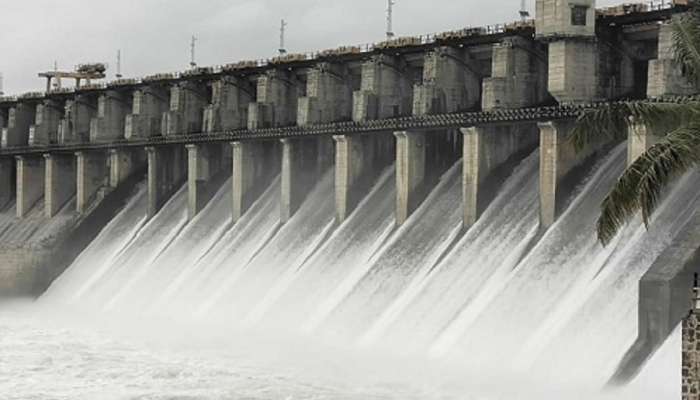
(502, 297)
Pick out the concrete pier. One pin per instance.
(166, 172)
(451, 82)
(255, 164)
(690, 359)
(558, 158)
(148, 106)
(123, 163)
(639, 139)
(59, 181)
(276, 104)
(75, 125)
(91, 176)
(410, 173)
(328, 96)
(7, 180)
(486, 150)
(108, 125)
(229, 108)
(385, 92)
(187, 102)
(19, 119)
(45, 128)
(303, 163)
(204, 162)
(30, 183)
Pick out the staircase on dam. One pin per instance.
(413, 165)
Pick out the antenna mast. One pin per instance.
(283, 26)
(119, 64)
(390, 19)
(524, 13)
(193, 64)
(2, 93)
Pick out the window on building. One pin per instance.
(578, 15)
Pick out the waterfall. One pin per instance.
(502, 297)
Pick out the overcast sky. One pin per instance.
(154, 35)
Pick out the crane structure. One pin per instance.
(119, 64)
(82, 72)
(390, 19)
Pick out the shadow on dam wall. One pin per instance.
(28, 266)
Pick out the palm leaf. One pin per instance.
(612, 122)
(686, 45)
(641, 185)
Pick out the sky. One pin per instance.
(154, 35)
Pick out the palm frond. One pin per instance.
(612, 122)
(641, 185)
(686, 45)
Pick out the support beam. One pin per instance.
(665, 75)
(690, 359)
(639, 139)
(123, 163)
(303, 162)
(229, 108)
(385, 90)
(166, 172)
(7, 180)
(75, 125)
(92, 175)
(59, 181)
(30, 183)
(255, 164)
(410, 173)
(276, 104)
(186, 114)
(204, 161)
(328, 96)
(486, 150)
(45, 128)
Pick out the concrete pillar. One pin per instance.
(303, 162)
(187, 102)
(166, 172)
(229, 107)
(276, 104)
(59, 181)
(91, 176)
(385, 91)
(558, 157)
(410, 173)
(20, 118)
(204, 161)
(255, 164)
(639, 139)
(45, 128)
(108, 125)
(690, 360)
(75, 125)
(328, 96)
(665, 75)
(122, 164)
(7, 180)
(518, 77)
(451, 82)
(30, 183)
(148, 106)
(486, 150)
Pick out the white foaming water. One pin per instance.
(488, 302)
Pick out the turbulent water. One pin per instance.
(312, 309)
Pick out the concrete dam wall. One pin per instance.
(345, 195)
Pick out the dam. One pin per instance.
(418, 198)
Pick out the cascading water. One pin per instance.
(428, 311)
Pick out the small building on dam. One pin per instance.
(482, 98)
